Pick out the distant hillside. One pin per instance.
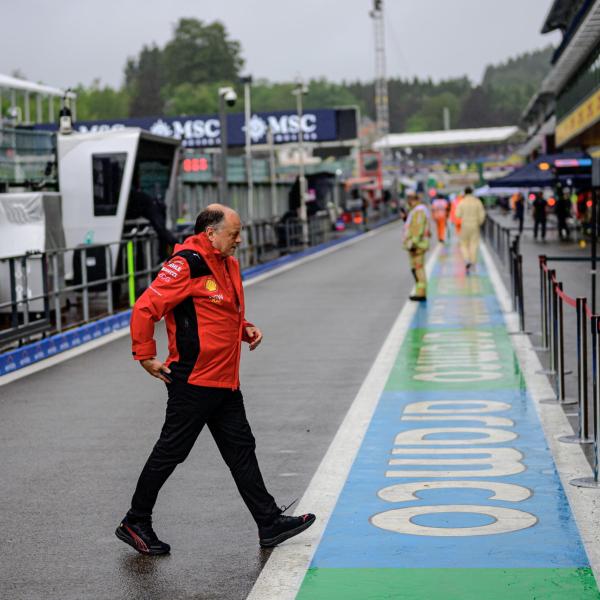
(526, 69)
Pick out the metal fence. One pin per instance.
(43, 293)
(553, 299)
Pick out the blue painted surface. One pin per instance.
(351, 541)
(553, 542)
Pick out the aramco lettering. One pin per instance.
(455, 458)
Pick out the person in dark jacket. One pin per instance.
(520, 210)
(199, 293)
(539, 207)
(562, 210)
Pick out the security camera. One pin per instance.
(229, 95)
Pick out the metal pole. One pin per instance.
(84, 283)
(25, 282)
(249, 173)
(592, 482)
(594, 245)
(301, 177)
(520, 292)
(148, 260)
(38, 108)
(543, 309)
(27, 108)
(550, 322)
(583, 433)
(109, 284)
(596, 390)
(272, 173)
(554, 323)
(44, 259)
(560, 378)
(14, 311)
(55, 288)
(223, 178)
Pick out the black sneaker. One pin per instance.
(283, 528)
(418, 298)
(140, 536)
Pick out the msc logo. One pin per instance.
(211, 285)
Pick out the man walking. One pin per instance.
(472, 215)
(439, 210)
(199, 293)
(539, 207)
(416, 242)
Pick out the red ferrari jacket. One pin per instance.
(199, 293)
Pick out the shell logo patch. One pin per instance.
(211, 285)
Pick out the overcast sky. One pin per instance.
(65, 42)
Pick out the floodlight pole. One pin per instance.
(298, 91)
(247, 81)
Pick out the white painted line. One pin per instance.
(111, 337)
(569, 458)
(282, 576)
(66, 355)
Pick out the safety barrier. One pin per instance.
(498, 237)
(51, 291)
(552, 301)
(507, 250)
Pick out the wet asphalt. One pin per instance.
(74, 438)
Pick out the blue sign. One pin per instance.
(204, 131)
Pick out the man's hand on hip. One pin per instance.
(156, 369)
(255, 334)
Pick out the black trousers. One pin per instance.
(189, 408)
(536, 225)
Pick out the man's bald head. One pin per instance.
(222, 226)
(215, 215)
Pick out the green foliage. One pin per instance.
(200, 53)
(190, 99)
(144, 80)
(430, 116)
(96, 102)
(183, 79)
(527, 69)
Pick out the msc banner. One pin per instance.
(205, 130)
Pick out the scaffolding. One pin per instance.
(26, 100)
(381, 93)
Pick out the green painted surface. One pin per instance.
(460, 286)
(454, 373)
(449, 584)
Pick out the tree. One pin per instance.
(200, 53)
(475, 111)
(144, 81)
(96, 102)
(190, 99)
(430, 116)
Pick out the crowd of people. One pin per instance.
(571, 210)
